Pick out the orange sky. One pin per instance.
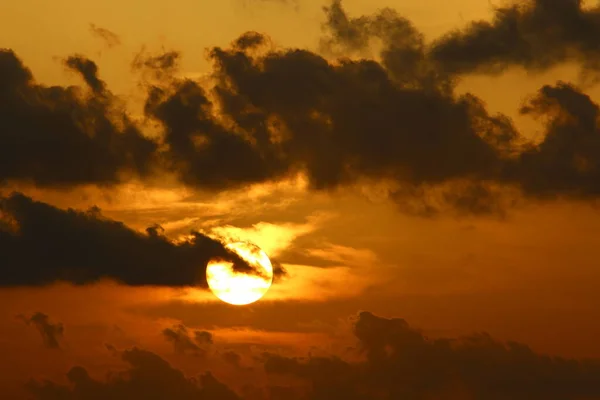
(529, 276)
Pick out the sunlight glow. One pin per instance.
(240, 288)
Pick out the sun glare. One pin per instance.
(241, 288)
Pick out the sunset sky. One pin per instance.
(423, 174)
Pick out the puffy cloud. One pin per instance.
(273, 113)
(340, 122)
(59, 136)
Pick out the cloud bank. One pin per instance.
(397, 362)
(272, 113)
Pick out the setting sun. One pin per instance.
(241, 288)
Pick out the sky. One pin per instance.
(424, 176)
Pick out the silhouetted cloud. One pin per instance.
(41, 244)
(51, 332)
(344, 122)
(110, 38)
(404, 53)
(273, 113)
(88, 70)
(397, 362)
(203, 338)
(402, 363)
(57, 136)
(534, 34)
(183, 343)
(159, 64)
(566, 161)
(148, 377)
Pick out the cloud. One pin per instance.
(534, 34)
(402, 48)
(160, 66)
(275, 113)
(179, 336)
(401, 362)
(205, 153)
(58, 136)
(231, 357)
(390, 360)
(148, 376)
(567, 159)
(111, 39)
(41, 244)
(203, 338)
(51, 332)
(88, 70)
(347, 121)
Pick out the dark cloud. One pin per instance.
(110, 38)
(403, 363)
(58, 136)
(394, 361)
(204, 152)
(41, 244)
(231, 357)
(160, 65)
(534, 34)
(88, 70)
(250, 40)
(567, 161)
(203, 338)
(148, 377)
(274, 113)
(344, 122)
(402, 47)
(183, 343)
(279, 271)
(51, 332)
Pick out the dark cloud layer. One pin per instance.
(41, 244)
(274, 113)
(404, 364)
(398, 362)
(148, 377)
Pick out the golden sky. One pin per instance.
(407, 188)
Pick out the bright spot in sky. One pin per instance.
(240, 288)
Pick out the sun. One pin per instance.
(240, 288)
